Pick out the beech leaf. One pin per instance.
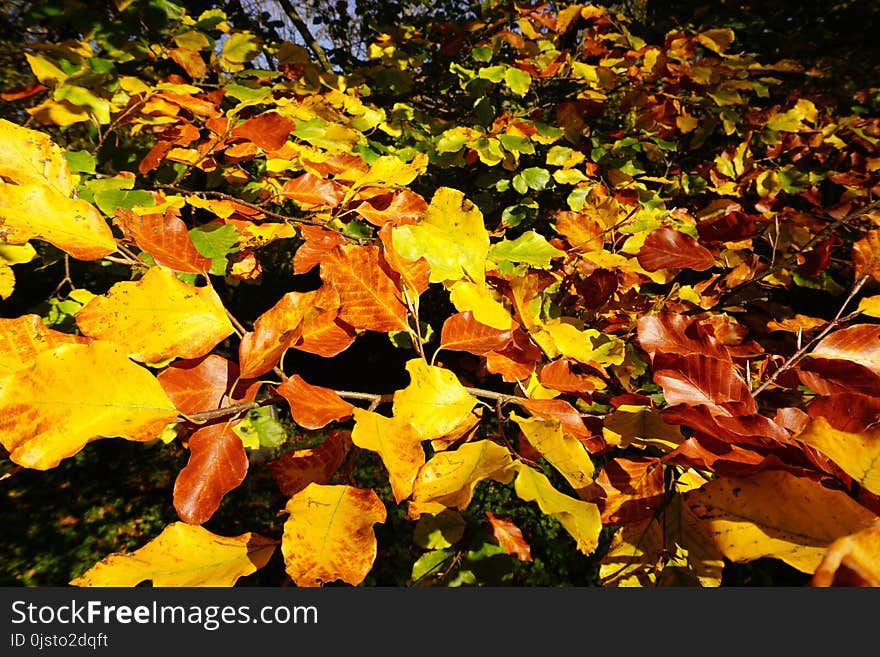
(852, 560)
(563, 451)
(396, 443)
(329, 535)
(858, 454)
(23, 338)
(434, 403)
(296, 469)
(462, 332)
(313, 407)
(183, 555)
(509, 537)
(668, 248)
(50, 410)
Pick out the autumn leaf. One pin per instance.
(157, 317)
(563, 451)
(672, 333)
(313, 407)
(183, 555)
(274, 332)
(310, 191)
(580, 519)
(477, 299)
(434, 403)
(461, 332)
(396, 443)
(633, 489)
(23, 338)
(401, 206)
(449, 477)
(697, 379)
(369, 298)
(509, 537)
(269, 130)
(36, 197)
(165, 237)
(329, 534)
(451, 237)
(776, 514)
(50, 410)
(296, 469)
(217, 464)
(858, 454)
(199, 384)
(858, 344)
(851, 560)
(668, 248)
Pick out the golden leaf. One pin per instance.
(329, 535)
(158, 317)
(76, 393)
(563, 451)
(183, 555)
(858, 454)
(396, 442)
(434, 403)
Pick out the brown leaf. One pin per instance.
(634, 490)
(672, 333)
(165, 237)
(198, 384)
(369, 298)
(668, 248)
(269, 130)
(847, 411)
(852, 560)
(859, 344)
(318, 243)
(560, 375)
(516, 361)
(313, 407)
(829, 376)
(509, 537)
(865, 255)
(310, 191)
(696, 379)
(274, 332)
(296, 469)
(402, 205)
(461, 332)
(217, 464)
(561, 410)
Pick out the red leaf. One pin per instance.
(217, 464)
(561, 410)
(20, 93)
(295, 470)
(165, 237)
(310, 191)
(634, 490)
(671, 333)
(199, 384)
(313, 407)
(154, 158)
(697, 379)
(666, 247)
(369, 298)
(461, 332)
(731, 227)
(828, 376)
(859, 344)
(509, 537)
(269, 131)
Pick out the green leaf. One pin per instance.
(517, 144)
(517, 80)
(536, 178)
(482, 54)
(530, 248)
(110, 200)
(215, 240)
(439, 531)
(430, 565)
(241, 47)
(80, 161)
(492, 73)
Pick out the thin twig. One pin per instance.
(796, 356)
(306, 34)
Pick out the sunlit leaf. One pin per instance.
(183, 555)
(396, 442)
(313, 407)
(23, 338)
(851, 560)
(329, 534)
(50, 410)
(157, 317)
(858, 454)
(668, 248)
(509, 537)
(563, 451)
(198, 384)
(461, 332)
(434, 403)
(296, 469)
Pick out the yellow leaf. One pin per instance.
(158, 317)
(35, 197)
(564, 452)
(397, 444)
(793, 119)
(16, 254)
(857, 454)
(588, 346)
(183, 555)
(851, 561)
(465, 295)
(329, 535)
(449, 478)
(648, 552)
(580, 519)
(776, 514)
(641, 426)
(76, 393)
(45, 71)
(870, 306)
(451, 237)
(391, 171)
(434, 403)
(7, 280)
(61, 113)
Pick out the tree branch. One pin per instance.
(306, 34)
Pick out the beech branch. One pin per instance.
(306, 34)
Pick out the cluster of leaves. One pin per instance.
(631, 280)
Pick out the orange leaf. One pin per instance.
(190, 61)
(274, 331)
(671, 333)
(312, 192)
(165, 237)
(865, 252)
(415, 274)
(269, 131)
(153, 158)
(217, 464)
(509, 537)
(400, 206)
(852, 560)
(516, 361)
(20, 93)
(560, 375)
(859, 344)
(318, 243)
(158, 317)
(23, 338)
(200, 384)
(369, 298)
(561, 410)
(668, 248)
(195, 105)
(296, 469)
(325, 335)
(329, 535)
(313, 407)
(633, 488)
(461, 332)
(696, 379)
